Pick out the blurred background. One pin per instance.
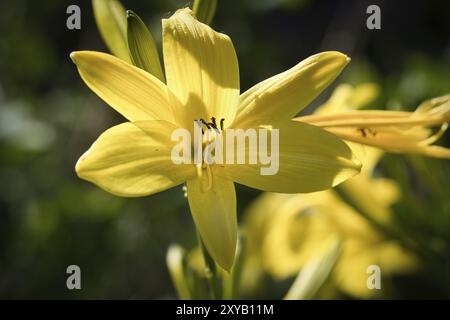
(50, 219)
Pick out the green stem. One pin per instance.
(210, 270)
(231, 280)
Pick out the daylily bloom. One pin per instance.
(364, 190)
(285, 231)
(133, 159)
(393, 131)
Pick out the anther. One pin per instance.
(209, 180)
(213, 123)
(199, 170)
(205, 123)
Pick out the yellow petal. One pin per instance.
(393, 131)
(363, 94)
(393, 140)
(316, 271)
(310, 159)
(373, 118)
(214, 213)
(286, 94)
(293, 236)
(346, 97)
(201, 68)
(351, 272)
(133, 159)
(134, 93)
(112, 23)
(373, 196)
(294, 227)
(441, 105)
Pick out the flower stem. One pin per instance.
(211, 271)
(231, 280)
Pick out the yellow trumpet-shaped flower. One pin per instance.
(134, 159)
(393, 131)
(363, 189)
(285, 231)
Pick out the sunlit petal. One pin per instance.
(134, 93)
(393, 140)
(393, 131)
(214, 210)
(283, 96)
(133, 159)
(201, 67)
(310, 159)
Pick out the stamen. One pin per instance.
(205, 123)
(209, 179)
(199, 170)
(435, 137)
(214, 122)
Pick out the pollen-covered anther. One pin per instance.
(212, 124)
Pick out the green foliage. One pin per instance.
(112, 23)
(143, 51)
(204, 10)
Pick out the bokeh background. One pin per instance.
(50, 219)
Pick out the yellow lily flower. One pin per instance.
(285, 231)
(393, 131)
(363, 189)
(133, 159)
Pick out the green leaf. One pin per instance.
(143, 51)
(315, 272)
(204, 10)
(112, 23)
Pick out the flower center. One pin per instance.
(213, 129)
